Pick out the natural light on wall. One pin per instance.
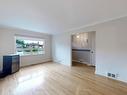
(29, 45)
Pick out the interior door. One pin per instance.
(93, 49)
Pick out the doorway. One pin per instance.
(84, 48)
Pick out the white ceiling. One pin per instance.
(55, 16)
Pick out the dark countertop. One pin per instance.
(81, 50)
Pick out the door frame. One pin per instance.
(71, 47)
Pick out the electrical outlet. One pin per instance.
(111, 75)
(117, 75)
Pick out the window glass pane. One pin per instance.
(29, 46)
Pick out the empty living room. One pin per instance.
(63, 47)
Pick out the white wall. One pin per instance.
(111, 47)
(61, 49)
(7, 45)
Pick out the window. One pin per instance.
(29, 46)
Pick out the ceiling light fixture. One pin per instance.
(77, 36)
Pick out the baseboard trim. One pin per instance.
(104, 76)
(27, 65)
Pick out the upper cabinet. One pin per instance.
(85, 40)
(80, 41)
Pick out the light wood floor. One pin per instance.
(55, 79)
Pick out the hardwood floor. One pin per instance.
(56, 79)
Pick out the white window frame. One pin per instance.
(29, 38)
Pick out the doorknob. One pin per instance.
(92, 52)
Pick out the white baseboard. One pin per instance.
(43, 61)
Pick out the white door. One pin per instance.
(93, 48)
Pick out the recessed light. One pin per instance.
(77, 36)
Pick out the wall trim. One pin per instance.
(102, 75)
(44, 61)
(95, 23)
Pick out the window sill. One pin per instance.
(32, 55)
